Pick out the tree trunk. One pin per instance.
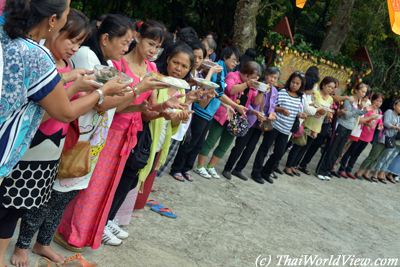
(340, 27)
(245, 31)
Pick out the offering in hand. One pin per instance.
(208, 64)
(171, 81)
(262, 87)
(205, 84)
(105, 73)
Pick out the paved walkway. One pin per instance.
(231, 223)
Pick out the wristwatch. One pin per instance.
(101, 98)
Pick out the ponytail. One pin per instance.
(23, 15)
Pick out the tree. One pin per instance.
(245, 30)
(339, 28)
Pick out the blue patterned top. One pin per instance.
(29, 76)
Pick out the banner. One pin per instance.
(394, 15)
(300, 3)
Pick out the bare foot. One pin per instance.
(20, 257)
(47, 252)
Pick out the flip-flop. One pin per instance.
(178, 176)
(152, 202)
(188, 176)
(78, 258)
(163, 211)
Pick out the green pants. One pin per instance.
(376, 150)
(217, 132)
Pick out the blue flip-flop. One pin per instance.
(163, 211)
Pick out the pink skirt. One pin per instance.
(85, 217)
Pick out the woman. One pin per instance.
(259, 111)
(109, 42)
(21, 100)
(289, 106)
(352, 110)
(391, 123)
(371, 120)
(236, 85)
(204, 111)
(318, 102)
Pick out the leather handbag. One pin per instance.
(75, 162)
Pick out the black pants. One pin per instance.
(8, 221)
(244, 148)
(351, 156)
(44, 219)
(280, 141)
(189, 149)
(334, 150)
(297, 153)
(322, 138)
(129, 180)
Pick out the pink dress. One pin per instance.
(84, 219)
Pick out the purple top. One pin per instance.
(270, 103)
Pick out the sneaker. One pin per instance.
(397, 179)
(110, 239)
(327, 178)
(227, 175)
(321, 177)
(202, 172)
(116, 230)
(213, 172)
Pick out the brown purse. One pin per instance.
(75, 162)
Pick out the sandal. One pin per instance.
(374, 179)
(382, 180)
(178, 176)
(188, 176)
(163, 211)
(390, 179)
(295, 172)
(78, 258)
(59, 239)
(286, 171)
(152, 202)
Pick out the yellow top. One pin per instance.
(315, 123)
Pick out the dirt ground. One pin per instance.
(232, 223)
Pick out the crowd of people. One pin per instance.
(51, 106)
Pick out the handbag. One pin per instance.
(75, 162)
(140, 154)
(238, 126)
(300, 137)
(390, 141)
(75, 158)
(266, 126)
(296, 125)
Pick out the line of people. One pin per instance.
(50, 103)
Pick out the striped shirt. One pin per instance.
(294, 105)
(29, 76)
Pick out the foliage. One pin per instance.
(369, 27)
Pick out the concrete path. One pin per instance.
(232, 223)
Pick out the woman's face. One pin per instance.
(148, 48)
(65, 48)
(115, 48)
(198, 58)
(328, 88)
(360, 93)
(295, 84)
(179, 65)
(377, 103)
(272, 79)
(397, 108)
(246, 77)
(231, 62)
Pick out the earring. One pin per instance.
(51, 28)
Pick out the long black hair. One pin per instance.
(149, 29)
(176, 49)
(23, 15)
(299, 75)
(115, 26)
